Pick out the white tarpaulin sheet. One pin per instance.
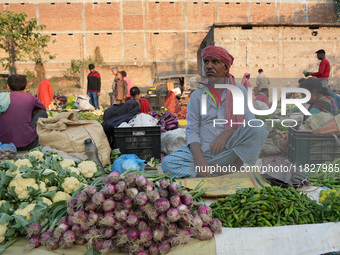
(306, 239)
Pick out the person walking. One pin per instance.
(45, 91)
(93, 86)
(262, 80)
(324, 68)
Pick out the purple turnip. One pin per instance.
(141, 181)
(98, 198)
(216, 225)
(129, 179)
(205, 234)
(132, 220)
(108, 205)
(33, 230)
(153, 195)
(109, 190)
(145, 235)
(158, 235)
(112, 178)
(164, 184)
(91, 190)
(162, 205)
(33, 242)
(120, 187)
(131, 193)
(175, 201)
(187, 199)
(127, 203)
(141, 199)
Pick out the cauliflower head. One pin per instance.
(67, 163)
(37, 154)
(60, 196)
(42, 187)
(46, 201)
(87, 168)
(25, 211)
(74, 170)
(3, 229)
(22, 162)
(52, 188)
(2, 201)
(20, 185)
(70, 184)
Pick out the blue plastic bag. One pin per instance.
(128, 162)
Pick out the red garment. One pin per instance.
(45, 93)
(324, 70)
(144, 105)
(128, 86)
(263, 98)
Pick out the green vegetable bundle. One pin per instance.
(270, 206)
(326, 174)
(89, 116)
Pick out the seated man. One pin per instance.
(19, 121)
(233, 143)
(261, 100)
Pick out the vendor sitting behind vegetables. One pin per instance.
(320, 100)
(145, 107)
(19, 115)
(221, 145)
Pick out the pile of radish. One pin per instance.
(132, 214)
(166, 120)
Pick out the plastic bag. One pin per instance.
(7, 151)
(173, 140)
(83, 103)
(143, 120)
(128, 162)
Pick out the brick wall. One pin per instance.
(135, 34)
(282, 52)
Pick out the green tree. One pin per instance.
(20, 38)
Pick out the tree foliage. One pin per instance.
(74, 71)
(20, 38)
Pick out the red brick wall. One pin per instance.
(126, 33)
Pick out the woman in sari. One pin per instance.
(320, 100)
(246, 83)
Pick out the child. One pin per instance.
(18, 123)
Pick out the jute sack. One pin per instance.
(66, 133)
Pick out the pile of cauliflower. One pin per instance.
(70, 184)
(39, 179)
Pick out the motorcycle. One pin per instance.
(59, 101)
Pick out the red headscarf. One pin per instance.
(223, 55)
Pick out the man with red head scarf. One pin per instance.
(222, 148)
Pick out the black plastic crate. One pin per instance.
(145, 142)
(306, 148)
